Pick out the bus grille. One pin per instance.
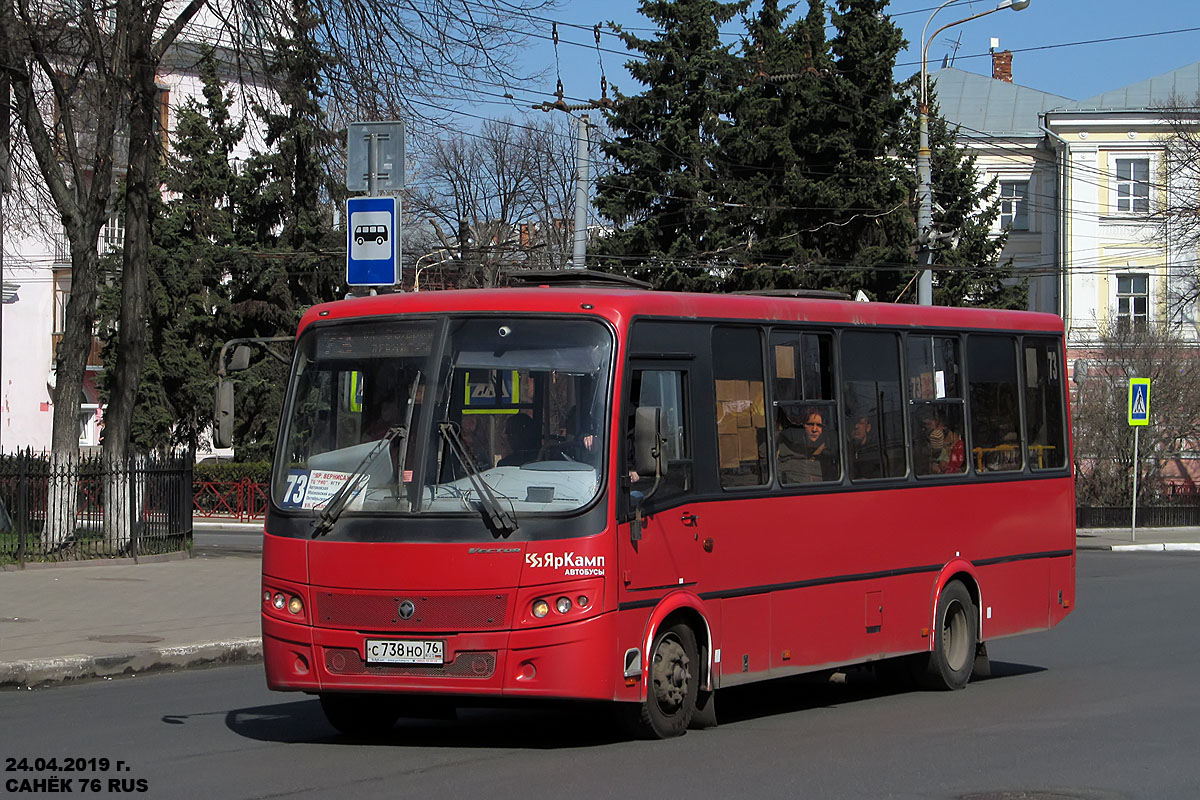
(479, 664)
(381, 612)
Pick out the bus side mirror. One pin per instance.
(240, 360)
(223, 414)
(648, 442)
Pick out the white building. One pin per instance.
(1083, 187)
(37, 279)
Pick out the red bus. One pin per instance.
(587, 490)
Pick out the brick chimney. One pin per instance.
(1002, 65)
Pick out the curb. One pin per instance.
(1158, 547)
(44, 671)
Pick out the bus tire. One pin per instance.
(674, 681)
(953, 656)
(360, 714)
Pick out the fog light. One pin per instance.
(278, 601)
(295, 606)
(540, 608)
(582, 600)
(562, 605)
(267, 596)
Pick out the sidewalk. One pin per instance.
(1143, 539)
(81, 620)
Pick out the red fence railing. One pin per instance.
(240, 500)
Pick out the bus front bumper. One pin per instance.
(576, 660)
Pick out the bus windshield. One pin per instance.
(516, 404)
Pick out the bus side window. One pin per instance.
(741, 410)
(935, 398)
(805, 411)
(667, 390)
(871, 388)
(1044, 404)
(995, 403)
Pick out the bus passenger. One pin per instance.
(524, 441)
(946, 449)
(864, 450)
(804, 452)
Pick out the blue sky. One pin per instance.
(1041, 38)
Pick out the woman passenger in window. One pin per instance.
(805, 455)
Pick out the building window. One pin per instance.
(1014, 205)
(1133, 185)
(113, 235)
(1133, 300)
(62, 295)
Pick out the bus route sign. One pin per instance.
(1139, 401)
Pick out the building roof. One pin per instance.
(1182, 84)
(984, 106)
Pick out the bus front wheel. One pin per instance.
(674, 680)
(953, 655)
(360, 714)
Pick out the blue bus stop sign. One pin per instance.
(1139, 401)
(372, 241)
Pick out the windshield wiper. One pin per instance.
(499, 520)
(337, 504)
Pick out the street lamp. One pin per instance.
(450, 256)
(925, 188)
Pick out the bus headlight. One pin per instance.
(278, 601)
(295, 606)
(540, 608)
(562, 605)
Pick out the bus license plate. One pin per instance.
(406, 651)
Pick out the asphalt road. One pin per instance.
(214, 539)
(1104, 706)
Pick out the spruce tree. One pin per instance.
(293, 256)
(664, 196)
(186, 304)
(776, 153)
(867, 241)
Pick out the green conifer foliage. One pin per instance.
(292, 256)
(665, 195)
(186, 306)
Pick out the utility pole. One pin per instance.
(925, 232)
(582, 163)
(581, 195)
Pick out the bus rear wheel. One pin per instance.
(953, 655)
(674, 681)
(360, 714)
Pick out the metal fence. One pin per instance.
(1148, 516)
(242, 500)
(69, 509)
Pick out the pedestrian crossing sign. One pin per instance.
(1139, 401)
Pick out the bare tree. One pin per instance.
(85, 98)
(502, 198)
(1103, 438)
(1179, 220)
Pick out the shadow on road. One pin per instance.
(550, 726)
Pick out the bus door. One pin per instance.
(666, 551)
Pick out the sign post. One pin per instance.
(374, 164)
(1139, 415)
